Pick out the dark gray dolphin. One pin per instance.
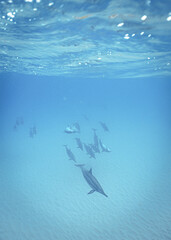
(70, 154)
(91, 180)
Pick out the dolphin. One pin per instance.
(34, 129)
(94, 148)
(105, 128)
(96, 141)
(31, 133)
(103, 147)
(89, 151)
(19, 121)
(77, 126)
(91, 180)
(79, 143)
(70, 153)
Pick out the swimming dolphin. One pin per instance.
(91, 180)
(34, 129)
(77, 126)
(86, 118)
(70, 153)
(93, 147)
(15, 127)
(19, 121)
(31, 133)
(96, 141)
(104, 126)
(89, 151)
(79, 143)
(103, 147)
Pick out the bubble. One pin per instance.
(143, 18)
(120, 24)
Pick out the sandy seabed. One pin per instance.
(44, 196)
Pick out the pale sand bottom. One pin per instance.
(44, 196)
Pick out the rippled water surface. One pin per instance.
(125, 38)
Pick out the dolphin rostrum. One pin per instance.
(91, 180)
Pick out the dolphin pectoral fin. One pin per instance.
(92, 191)
(80, 165)
(90, 171)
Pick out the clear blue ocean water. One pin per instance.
(90, 64)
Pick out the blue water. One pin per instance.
(69, 62)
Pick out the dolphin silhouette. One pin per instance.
(91, 180)
(103, 147)
(79, 143)
(89, 151)
(96, 141)
(70, 153)
(105, 128)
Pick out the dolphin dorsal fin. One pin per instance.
(90, 171)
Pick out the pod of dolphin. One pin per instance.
(91, 150)
(32, 130)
